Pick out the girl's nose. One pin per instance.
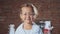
(28, 15)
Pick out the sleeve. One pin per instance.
(40, 31)
(18, 30)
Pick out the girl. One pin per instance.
(28, 14)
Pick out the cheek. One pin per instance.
(32, 18)
(23, 17)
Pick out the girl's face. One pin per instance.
(27, 14)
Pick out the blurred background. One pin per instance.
(48, 10)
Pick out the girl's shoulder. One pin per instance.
(20, 26)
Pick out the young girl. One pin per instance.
(28, 14)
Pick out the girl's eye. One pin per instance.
(24, 14)
(31, 14)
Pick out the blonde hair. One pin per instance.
(32, 6)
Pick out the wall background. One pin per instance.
(48, 10)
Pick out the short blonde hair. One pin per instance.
(30, 5)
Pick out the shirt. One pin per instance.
(35, 30)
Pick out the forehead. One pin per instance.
(27, 9)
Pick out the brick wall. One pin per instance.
(48, 10)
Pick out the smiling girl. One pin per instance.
(28, 14)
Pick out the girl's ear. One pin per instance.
(21, 16)
(35, 17)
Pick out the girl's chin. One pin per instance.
(28, 21)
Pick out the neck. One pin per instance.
(27, 26)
